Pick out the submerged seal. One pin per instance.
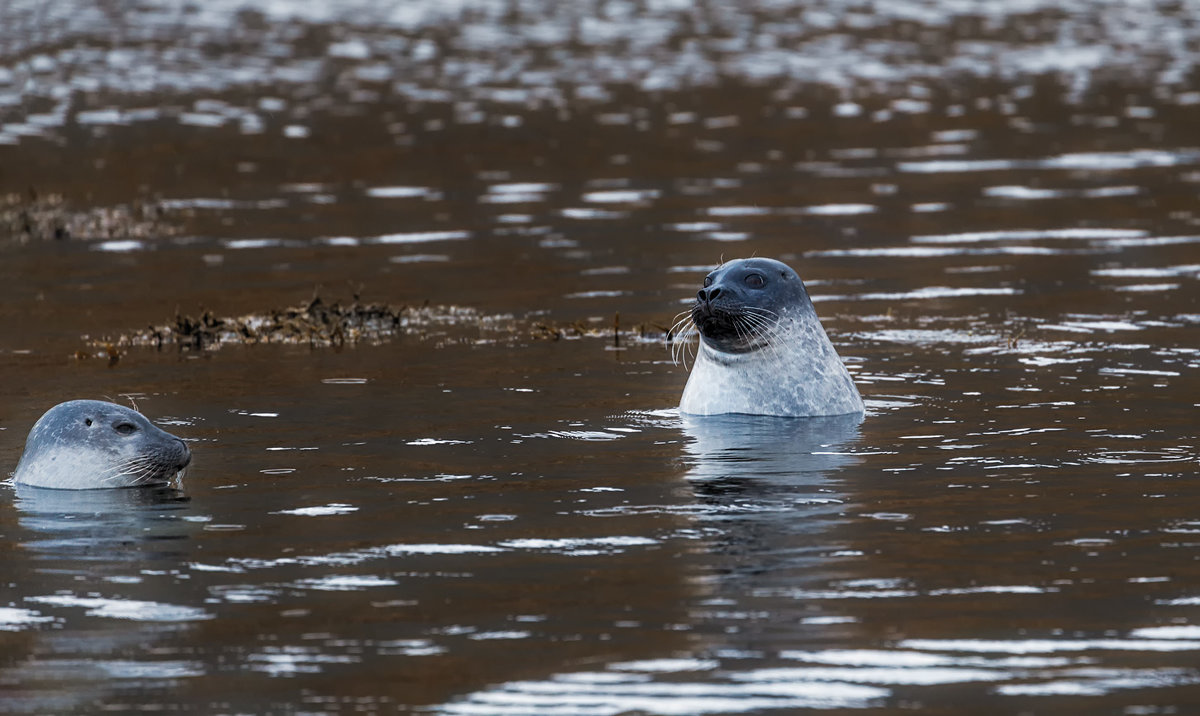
(84, 444)
(762, 348)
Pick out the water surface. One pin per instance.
(995, 212)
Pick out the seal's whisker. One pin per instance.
(146, 477)
(116, 469)
(682, 331)
(767, 328)
(147, 472)
(115, 478)
(140, 469)
(681, 350)
(682, 328)
(688, 348)
(736, 325)
(759, 310)
(757, 329)
(683, 323)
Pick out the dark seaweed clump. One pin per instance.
(315, 323)
(32, 216)
(319, 324)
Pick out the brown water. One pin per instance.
(996, 213)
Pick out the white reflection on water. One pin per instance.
(416, 237)
(1148, 287)
(50, 670)
(1097, 682)
(333, 508)
(132, 609)
(630, 196)
(1036, 193)
(930, 336)
(291, 660)
(928, 293)
(15, 619)
(344, 582)
(610, 693)
(585, 546)
(1192, 270)
(1096, 161)
(1029, 235)
(839, 209)
(362, 555)
(121, 246)
(1049, 646)
(401, 192)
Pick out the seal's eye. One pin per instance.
(125, 428)
(756, 280)
(707, 281)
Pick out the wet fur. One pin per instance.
(763, 361)
(64, 453)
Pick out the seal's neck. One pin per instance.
(797, 372)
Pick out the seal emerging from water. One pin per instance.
(85, 444)
(762, 348)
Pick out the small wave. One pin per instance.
(125, 608)
(15, 619)
(333, 508)
(1029, 235)
(400, 192)
(609, 693)
(1096, 161)
(627, 196)
(1048, 646)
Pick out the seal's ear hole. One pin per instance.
(87, 422)
(125, 428)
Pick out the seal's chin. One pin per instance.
(725, 328)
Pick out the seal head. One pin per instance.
(85, 444)
(742, 299)
(762, 349)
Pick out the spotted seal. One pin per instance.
(762, 349)
(84, 444)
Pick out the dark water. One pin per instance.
(995, 209)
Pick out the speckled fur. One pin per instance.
(796, 372)
(63, 451)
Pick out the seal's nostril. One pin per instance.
(708, 294)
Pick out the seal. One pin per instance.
(762, 348)
(86, 444)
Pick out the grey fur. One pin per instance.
(86, 444)
(762, 348)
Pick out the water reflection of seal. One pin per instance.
(762, 348)
(83, 444)
(105, 526)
